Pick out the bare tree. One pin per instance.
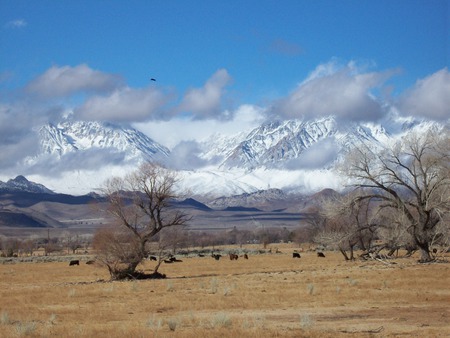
(142, 204)
(72, 242)
(347, 223)
(412, 178)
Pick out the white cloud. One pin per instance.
(67, 80)
(185, 156)
(18, 23)
(18, 138)
(429, 97)
(334, 90)
(205, 102)
(125, 105)
(319, 155)
(170, 133)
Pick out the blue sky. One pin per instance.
(219, 64)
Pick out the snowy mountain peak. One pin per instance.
(273, 142)
(20, 183)
(74, 136)
(293, 155)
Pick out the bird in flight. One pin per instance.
(152, 79)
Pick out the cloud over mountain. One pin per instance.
(344, 92)
(429, 97)
(205, 102)
(125, 105)
(66, 80)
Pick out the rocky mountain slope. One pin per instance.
(77, 136)
(295, 156)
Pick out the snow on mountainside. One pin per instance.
(20, 183)
(74, 136)
(295, 156)
(278, 141)
(273, 144)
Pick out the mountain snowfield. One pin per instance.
(297, 156)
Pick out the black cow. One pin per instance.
(320, 254)
(216, 256)
(90, 262)
(152, 258)
(74, 262)
(295, 255)
(233, 256)
(245, 256)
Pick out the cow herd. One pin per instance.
(296, 254)
(173, 259)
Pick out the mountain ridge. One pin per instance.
(292, 155)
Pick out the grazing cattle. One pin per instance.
(90, 262)
(320, 254)
(74, 262)
(295, 255)
(245, 256)
(216, 256)
(152, 258)
(233, 256)
(174, 259)
(201, 255)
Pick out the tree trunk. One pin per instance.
(157, 265)
(425, 254)
(351, 253)
(344, 254)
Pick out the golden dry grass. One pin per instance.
(270, 295)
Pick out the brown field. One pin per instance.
(268, 295)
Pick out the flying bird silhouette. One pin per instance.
(152, 79)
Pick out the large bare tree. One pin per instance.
(142, 204)
(347, 223)
(412, 179)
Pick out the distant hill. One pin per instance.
(21, 184)
(18, 219)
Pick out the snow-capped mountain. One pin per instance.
(77, 136)
(20, 183)
(278, 141)
(296, 156)
(274, 144)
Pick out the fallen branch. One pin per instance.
(379, 259)
(377, 330)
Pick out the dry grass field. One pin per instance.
(268, 295)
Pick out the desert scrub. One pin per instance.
(4, 318)
(72, 293)
(25, 328)
(221, 319)
(214, 285)
(173, 323)
(154, 323)
(52, 319)
(310, 288)
(134, 286)
(306, 321)
(169, 286)
(352, 282)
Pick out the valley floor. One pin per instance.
(268, 295)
